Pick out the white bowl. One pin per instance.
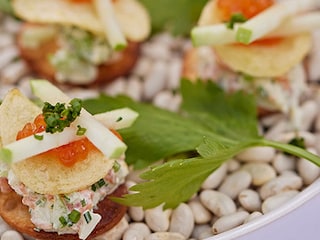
(295, 220)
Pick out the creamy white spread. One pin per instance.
(72, 212)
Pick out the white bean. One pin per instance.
(202, 231)
(6, 40)
(308, 171)
(260, 172)
(282, 162)
(155, 81)
(137, 231)
(163, 99)
(134, 88)
(234, 183)
(277, 200)
(142, 66)
(257, 154)
(182, 220)
(228, 222)
(136, 213)
(309, 113)
(7, 55)
(280, 184)
(250, 200)
(218, 203)
(118, 86)
(116, 232)
(165, 236)
(200, 213)
(233, 165)
(156, 51)
(253, 216)
(157, 219)
(11, 235)
(174, 73)
(215, 178)
(14, 71)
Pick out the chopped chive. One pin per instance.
(74, 216)
(101, 183)
(6, 155)
(87, 216)
(81, 131)
(83, 202)
(94, 187)
(63, 221)
(116, 166)
(119, 119)
(38, 137)
(66, 198)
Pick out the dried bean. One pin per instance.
(218, 203)
(260, 172)
(277, 200)
(257, 154)
(235, 183)
(182, 220)
(280, 184)
(228, 222)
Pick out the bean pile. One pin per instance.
(255, 182)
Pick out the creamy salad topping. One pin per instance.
(72, 212)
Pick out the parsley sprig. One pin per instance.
(214, 126)
(58, 117)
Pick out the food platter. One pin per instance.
(156, 79)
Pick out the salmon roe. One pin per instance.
(67, 154)
(249, 8)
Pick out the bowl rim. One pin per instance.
(305, 195)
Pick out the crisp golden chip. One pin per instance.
(46, 175)
(209, 14)
(136, 25)
(43, 174)
(271, 60)
(15, 111)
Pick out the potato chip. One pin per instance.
(136, 25)
(15, 111)
(271, 60)
(46, 175)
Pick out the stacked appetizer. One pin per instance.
(256, 45)
(59, 165)
(81, 42)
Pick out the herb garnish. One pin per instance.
(235, 18)
(59, 116)
(214, 125)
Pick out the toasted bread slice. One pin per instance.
(38, 60)
(18, 217)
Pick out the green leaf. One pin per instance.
(211, 124)
(177, 17)
(5, 6)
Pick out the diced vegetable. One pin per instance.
(108, 19)
(96, 132)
